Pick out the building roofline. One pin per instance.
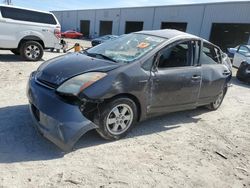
(157, 6)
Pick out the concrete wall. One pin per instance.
(199, 17)
(108, 15)
(86, 15)
(192, 15)
(145, 15)
(224, 13)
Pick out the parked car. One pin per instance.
(103, 39)
(242, 62)
(72, 34)
(28, 32)
(112, 86)
(231, 51)
(242, 54)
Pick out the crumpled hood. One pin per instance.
(58, 70)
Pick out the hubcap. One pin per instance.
(119, 119)
(218, 100)
(32, 51)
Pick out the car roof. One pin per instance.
(172, 33)
(69, 31)
(167, 33)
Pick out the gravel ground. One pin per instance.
(196, 148)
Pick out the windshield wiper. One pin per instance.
(103, 56)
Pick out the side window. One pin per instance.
(210, 54)
(147, 65)
(27, 15)
(175, 56)
(243, 50)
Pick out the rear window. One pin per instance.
(210, 54)
(27, 15)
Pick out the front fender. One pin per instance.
(131, 80)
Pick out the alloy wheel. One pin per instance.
(32, 51)
(119, 119)
(218, 101)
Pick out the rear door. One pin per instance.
(214, 73)
(240, 55)
(177, 78)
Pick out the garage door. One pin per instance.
(133, 27)
(105, 28)
(228, 35)
(84, 27)
(181, 26)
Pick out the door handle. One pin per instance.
(226, 73)
(196, 77)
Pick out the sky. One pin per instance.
(48, 5)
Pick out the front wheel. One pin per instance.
(31, 51)
(216, 104)
(117, 118)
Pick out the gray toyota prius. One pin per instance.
(112, 86)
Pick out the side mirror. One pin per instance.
(224, 55)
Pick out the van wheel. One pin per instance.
(15, 51)
(31, 51)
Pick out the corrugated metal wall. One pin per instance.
(224, 13)
(199, 17)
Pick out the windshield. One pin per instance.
(127, 48)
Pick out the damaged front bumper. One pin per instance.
(58, 121)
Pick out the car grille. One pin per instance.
(35, 112)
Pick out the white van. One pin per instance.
(28, 32)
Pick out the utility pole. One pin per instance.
(8, 2)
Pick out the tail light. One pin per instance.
(57, 31)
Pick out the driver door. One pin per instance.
(176, 78)
(239, 56)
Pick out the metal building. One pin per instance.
(226, 24)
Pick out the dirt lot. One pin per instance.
(177, 150)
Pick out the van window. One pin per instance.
(27, 15)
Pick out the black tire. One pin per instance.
(15, 51)
(51, 49)
(106, 112)
(218, 101)
(34, 47)
(243, 72)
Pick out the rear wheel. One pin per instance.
(117, 118)
(243, 73)
(31, 51)
(15, 51)
(216, 104)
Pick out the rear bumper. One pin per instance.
(60, 122)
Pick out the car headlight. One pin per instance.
(78, 83)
